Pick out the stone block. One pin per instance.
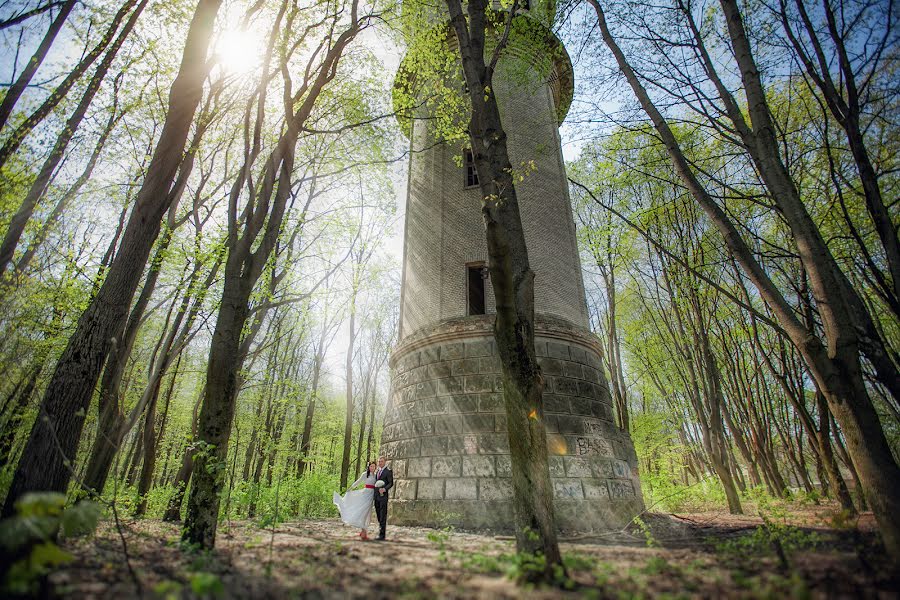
(495, 489)
(461, 489)
(424, 389)
(477, 384)
(558, 350)
(566, 386)
(446, 466)
(424, 426)
(602, 468)
(477, 423)
(592, 446)
(389, 449)
(490, 403)
(587, 389)
(448, 424)
(410, 410)
(478, 466)
(449, 386)
(429, 355)
(410, 361)
(416, 375)
(489, 365)
(406, 448)
(540, 348)
(595, 489)
(591, 374)
(493, 443)
(462, 444)
(453, 351)
(434, 446)
(504, 466)
(601, 392)
(433, 406)
(403, 430)
(465, 366)
(581, 406)
(500, 423)
(567, 489)
(479, 348)
(620, 488)
(572, 370)
(599, 429)
(430, 489)
(556, 404)
(438, 370)
(418, 467)
(551, 423)
(557, 466)
(405, 394)
(405, 489)
(551, 366)
(461, 403)
(570, 424)
(398, 467)
(577, 467)
(578, 354)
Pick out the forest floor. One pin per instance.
(699, 555)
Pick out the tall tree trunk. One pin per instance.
(63, 202)
(14, 92)
(19, 400)
(173, 509)
(847, 112)
(14, 140)
(248, 255)
(151, 441)
(42, 181)
(348, 368)
(836, 367)
(306, 438)
(512, 281)
(54, 438)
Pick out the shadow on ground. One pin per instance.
(705, 555)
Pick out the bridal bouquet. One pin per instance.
(379, 483)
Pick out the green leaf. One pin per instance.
(49, 554)
(40, 504)
(203, 584)
(80, 519)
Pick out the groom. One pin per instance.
(381, 496)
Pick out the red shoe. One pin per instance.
(363, 536)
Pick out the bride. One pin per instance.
(356, 505)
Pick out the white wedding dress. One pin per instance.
(356, 505)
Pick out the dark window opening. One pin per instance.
(469, 163)
(477, 275)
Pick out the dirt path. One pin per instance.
(707, 555)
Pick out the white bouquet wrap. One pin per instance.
(379, 483)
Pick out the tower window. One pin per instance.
(471, 173)
(477, 273)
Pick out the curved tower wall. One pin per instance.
(445, 427)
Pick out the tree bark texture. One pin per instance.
(50, 451)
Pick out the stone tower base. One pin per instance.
(445, 431)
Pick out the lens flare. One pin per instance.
(556, 444)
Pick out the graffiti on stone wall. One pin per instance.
(590, 446)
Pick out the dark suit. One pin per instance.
(381, 500)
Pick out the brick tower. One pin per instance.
(445, 427)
